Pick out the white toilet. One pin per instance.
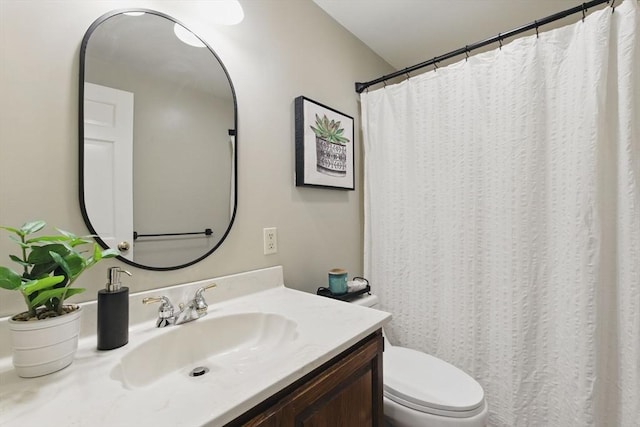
(423, 391)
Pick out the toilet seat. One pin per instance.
(427, 384)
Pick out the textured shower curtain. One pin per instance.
(502, 220)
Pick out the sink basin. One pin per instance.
(236, 341)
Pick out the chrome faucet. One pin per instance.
(195, 309)
(165, 312)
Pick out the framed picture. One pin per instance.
(324, 146)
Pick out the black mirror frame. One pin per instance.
(83, 210)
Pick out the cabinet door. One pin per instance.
(348, 404)
(346, 392)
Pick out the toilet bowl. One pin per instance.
(421, 390)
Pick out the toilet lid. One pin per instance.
(425, 383)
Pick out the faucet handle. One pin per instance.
(200, 304)
(165, 311)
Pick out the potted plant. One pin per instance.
(45, 336)
(331, 146)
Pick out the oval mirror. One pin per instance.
(157, 140)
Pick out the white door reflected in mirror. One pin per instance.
(108, 156)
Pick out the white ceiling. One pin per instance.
(408, 32)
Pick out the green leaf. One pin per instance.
(41, 254)
(320, 132)
(76, 263)
(75, 240)
(110, 253)
(42, 261)
(9, 279)
(97, 255)
(13, 230)
(67, 234)
(32, 227)
(47, 295)
(48, 239)
(80, 241)
(19, 261)
(73, 264)
(42, 270)
(41, 284)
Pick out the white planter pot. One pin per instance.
(41, 347)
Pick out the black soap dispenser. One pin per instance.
(113, 312)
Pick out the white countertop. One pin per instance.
(89, 392)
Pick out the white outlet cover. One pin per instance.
(270, 240)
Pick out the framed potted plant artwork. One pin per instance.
(324, 146)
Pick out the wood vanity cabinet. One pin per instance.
(344, 392)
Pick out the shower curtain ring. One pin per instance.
(537, 34)
(435, 64)
(500, 40)
(613, 7)
(466, 52)
(584, 11)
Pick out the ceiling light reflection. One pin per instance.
(187, 36)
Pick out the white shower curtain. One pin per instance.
(502, 220)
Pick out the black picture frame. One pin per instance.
(325, 155)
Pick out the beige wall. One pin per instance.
(282, 49)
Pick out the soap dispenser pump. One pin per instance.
(113, 312)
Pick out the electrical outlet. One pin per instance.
(270, 240)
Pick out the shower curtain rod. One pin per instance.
(499, 38)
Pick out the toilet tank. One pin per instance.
(366, 300)
(370, 301)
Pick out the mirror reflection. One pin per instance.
(157, 144)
